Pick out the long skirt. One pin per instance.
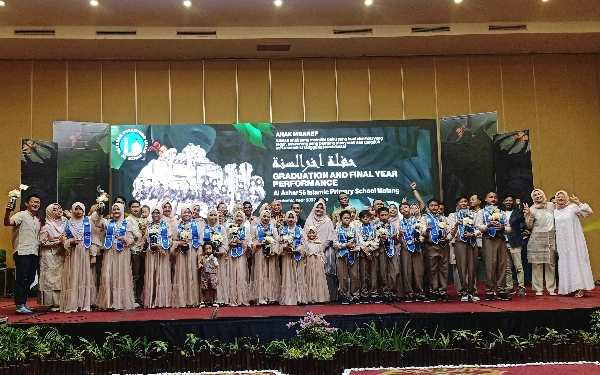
(238, 280)
(157, 279)
(51, 265)
(116, 280)
(293, 281)
(317, 290)
(185, 291)
(77, 286)
(267, 279)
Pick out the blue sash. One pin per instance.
(208, 231)
(408, 227)
(432, 221)
(195, 237)
(488, 217)
(261, 231)
(237, 250)
(343, 239)
(297, 239)
(110, 234)
(389, 249)
(164, 237)
(87, 232)
(461, 227)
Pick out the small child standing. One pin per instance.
(208, 265)
(316, 282)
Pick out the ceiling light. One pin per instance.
(1, 3)
(458, 1)
(368, 2)
(544, 0)
(278, 2)
(94, 3)
(187, 3)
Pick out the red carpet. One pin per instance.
(529, 302)
(259, 311)
(554, 369)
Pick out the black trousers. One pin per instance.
(26, 267)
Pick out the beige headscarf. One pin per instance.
(567, 202)
(544, 200)
(55, 224)
(323, 224)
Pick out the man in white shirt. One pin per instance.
(26, 228)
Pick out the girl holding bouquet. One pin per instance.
(184, 250)
(216, 234)
(238, 244)
(293, 265)
(265, 243)
(157, 279)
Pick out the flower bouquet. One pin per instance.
(266, 247)
(14, 194)
(185, 236)
(369, 246)
(101, 199)
(496, 215)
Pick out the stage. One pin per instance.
(520, 316)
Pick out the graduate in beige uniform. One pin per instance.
(293, 262)
(347, 259)
(266, 285)
(157, 278)
(239, 248)
(116, 280)
(78, 290)
(184, 252)
(216, 233)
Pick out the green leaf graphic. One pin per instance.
(251, 134)
(265, 128)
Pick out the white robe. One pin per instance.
(574, 268)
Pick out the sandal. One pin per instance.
(580, 293)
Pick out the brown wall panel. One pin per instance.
(254, 91)
(554, 144)
(286, 91)
(118, 92)
(186, 92)
(319, 89)
(353, 90)
(219, 88)
(153, 92)
(84, 91)
(15, 123)
(419, 87)
(583, 112)
(386, 89)
(452, 82)
(485, 85)
(49, 97)
(519, 112)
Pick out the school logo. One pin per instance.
(131, 144)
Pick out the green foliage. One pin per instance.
(475, 338)
(521, 342)
(254, 134)
(437, 340)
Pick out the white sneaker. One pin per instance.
(553, 293)
(136, 305)
(475, 299)
(539, 293)
(464, 298)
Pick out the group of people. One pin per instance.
(151, 258)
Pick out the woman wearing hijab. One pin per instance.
(541, 248)
(78, 289)
(293, 262)
(187, 241)
(216, 233)
(157, 279)
(316, 282)
(325, 234)
(97, 249)
(168, 216)
(239, 240)
(116, 280)
(265, 244)
(394, 217)
(51, 257)
(574, 267)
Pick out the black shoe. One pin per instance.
(376, 299)
(434, 298)
(489, 297)
(395, 299)
(345, 301)
(513, 291)
(421, 299)
(408, 299)
(504, 297)
(364, 299)
(389, 299)
(446, 297)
